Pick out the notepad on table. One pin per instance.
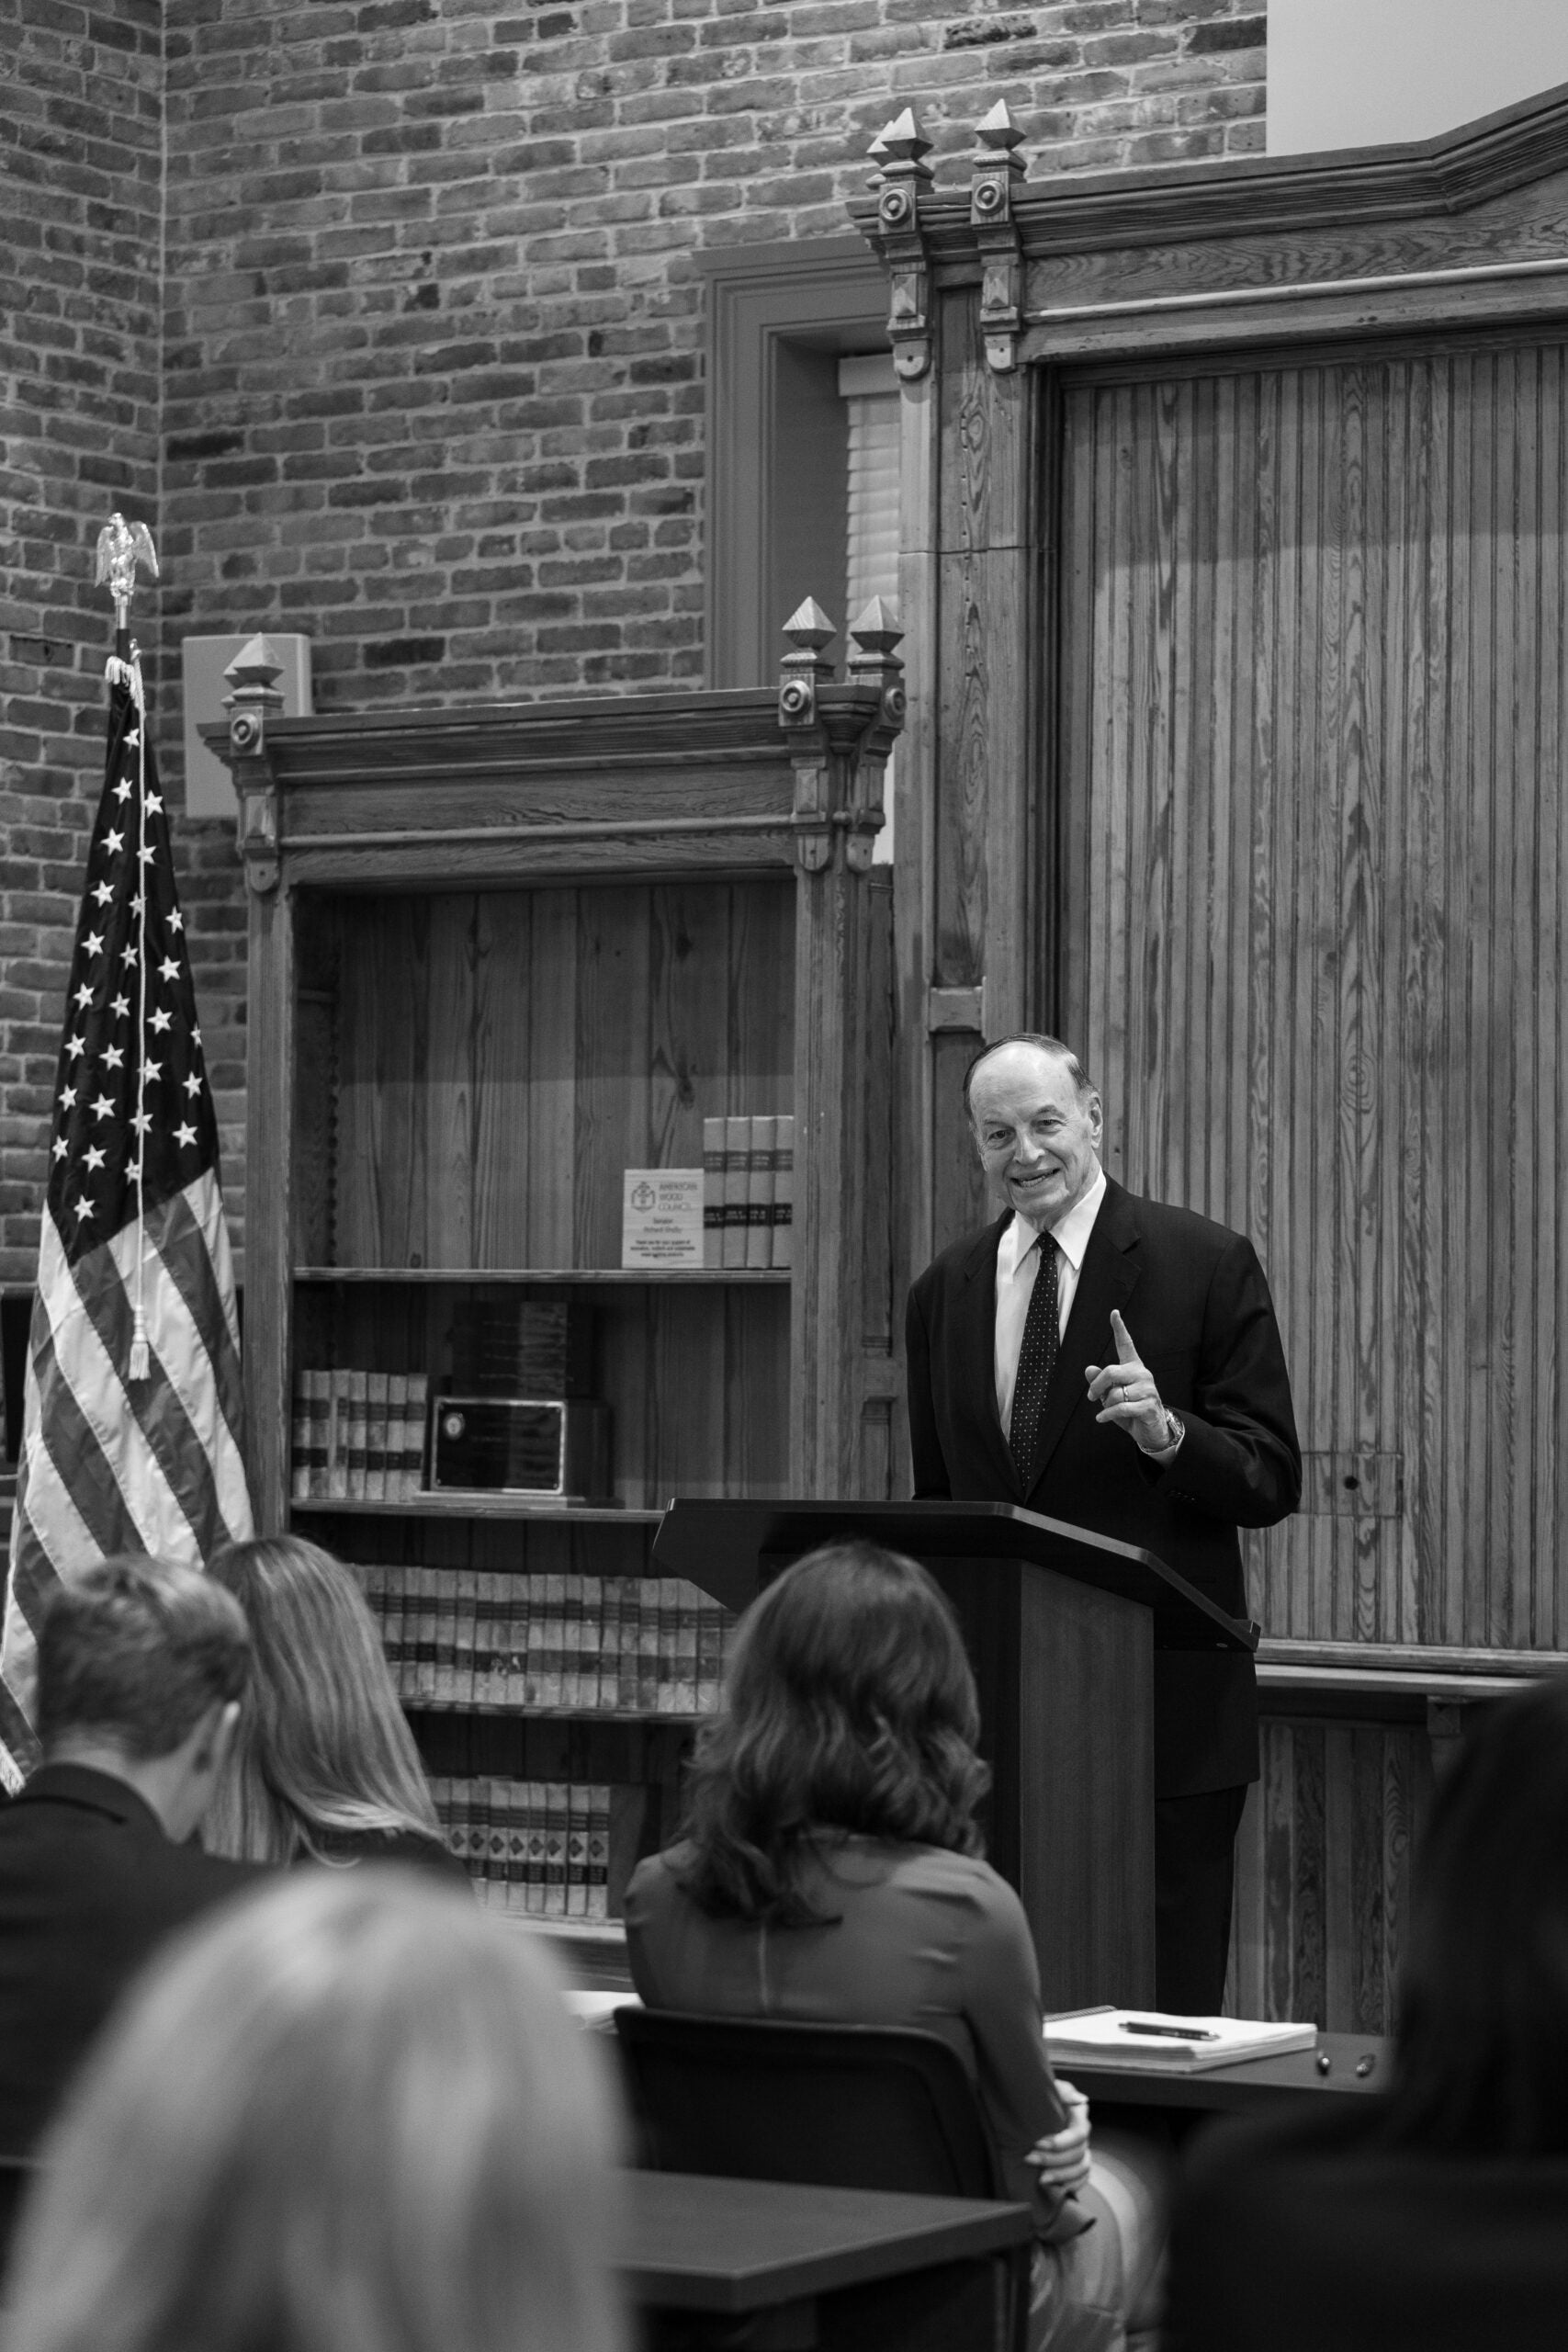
(1146, 2039)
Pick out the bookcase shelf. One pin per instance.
(475, 1002)
(563, 1277)
(465, 1506)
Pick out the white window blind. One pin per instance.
(869, 389)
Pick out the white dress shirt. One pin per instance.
(1018, 1262)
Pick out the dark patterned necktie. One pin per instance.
(1036, 1362)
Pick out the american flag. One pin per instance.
(133, 1409)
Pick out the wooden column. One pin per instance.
(840, 734)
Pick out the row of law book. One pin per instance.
(358, 1436)
(479, 1638)
(537, 1849)
(748, 1192)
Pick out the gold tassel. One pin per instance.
(140, 1361)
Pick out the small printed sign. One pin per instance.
(661, 1217)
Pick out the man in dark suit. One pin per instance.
(1116, 1363)
(140, 1671)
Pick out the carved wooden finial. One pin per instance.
(995, 168)
(905, 145)
(876, 629)
(809, 628)
(878, 151)
(904, 171)
(255, 664)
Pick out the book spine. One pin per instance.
(555, 1849)
(736, 1177)
(301, 1440)
(464, 1641)
(648, 1645)
(552, 1641)
(319, 1400)
(577, 1850)
(608, 1697)
(427, 1586)
(514, 1801)
(337, 1436)
(784, 1188)
(524, 1632)
(759, 1194)
(668, 1618)
(358, 1412)
(375, 1436)
(392, 1487)
(597, 1905)
(572, 1641)
(590, 1656)
(414, 1434)
(688, 1602)
(484, 1638)
(535, 1810)
(445, 1692)
(710, 1656)
(713, 1191)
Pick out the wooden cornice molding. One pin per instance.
(1180, 203)
(445, 748)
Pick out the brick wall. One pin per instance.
(430, 369)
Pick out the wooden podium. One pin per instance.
(1061, 1627)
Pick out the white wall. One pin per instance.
(1359, 72)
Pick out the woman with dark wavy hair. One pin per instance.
(831, 1870)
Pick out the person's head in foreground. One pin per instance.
(849, 1705)
(323, 1750)
(141, 1664)
(1482, 2039)
(353, 2115)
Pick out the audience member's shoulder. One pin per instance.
(964, 1880)
(656, 1883)
(398, 1846)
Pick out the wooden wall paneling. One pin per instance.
(1320, 941)
(613, 1062)
(383, 1054)
(548, 1174)
(624, 1347)
(1323, 1872)
(502, 1119)
(761, 997)
(269, 1103)
(755, 1391)
(882, 1470)
(452, 1019)
(914, 795)
(982, 841)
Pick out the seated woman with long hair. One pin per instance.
(351, 2112)
(1437, 2214)
(831, 1870)
(324, 1768)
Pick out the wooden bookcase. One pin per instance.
(495, 959)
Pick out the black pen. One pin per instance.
(1171, 2032)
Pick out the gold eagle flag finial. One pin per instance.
(123, 546)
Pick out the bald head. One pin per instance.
(1037, 1126)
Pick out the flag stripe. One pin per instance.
(67, 1461)
(194, 1247)
(151, 1410)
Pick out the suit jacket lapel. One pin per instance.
(977, 1345)
(1108, 1279)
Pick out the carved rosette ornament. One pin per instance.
(900, 152)
(995, 168)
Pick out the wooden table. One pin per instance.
(1249, 2087)
(773, 2264)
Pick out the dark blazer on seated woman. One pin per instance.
(918, 1937)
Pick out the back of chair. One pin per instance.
(843, 2106)
(17, 2177)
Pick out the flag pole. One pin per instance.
(122, 546)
